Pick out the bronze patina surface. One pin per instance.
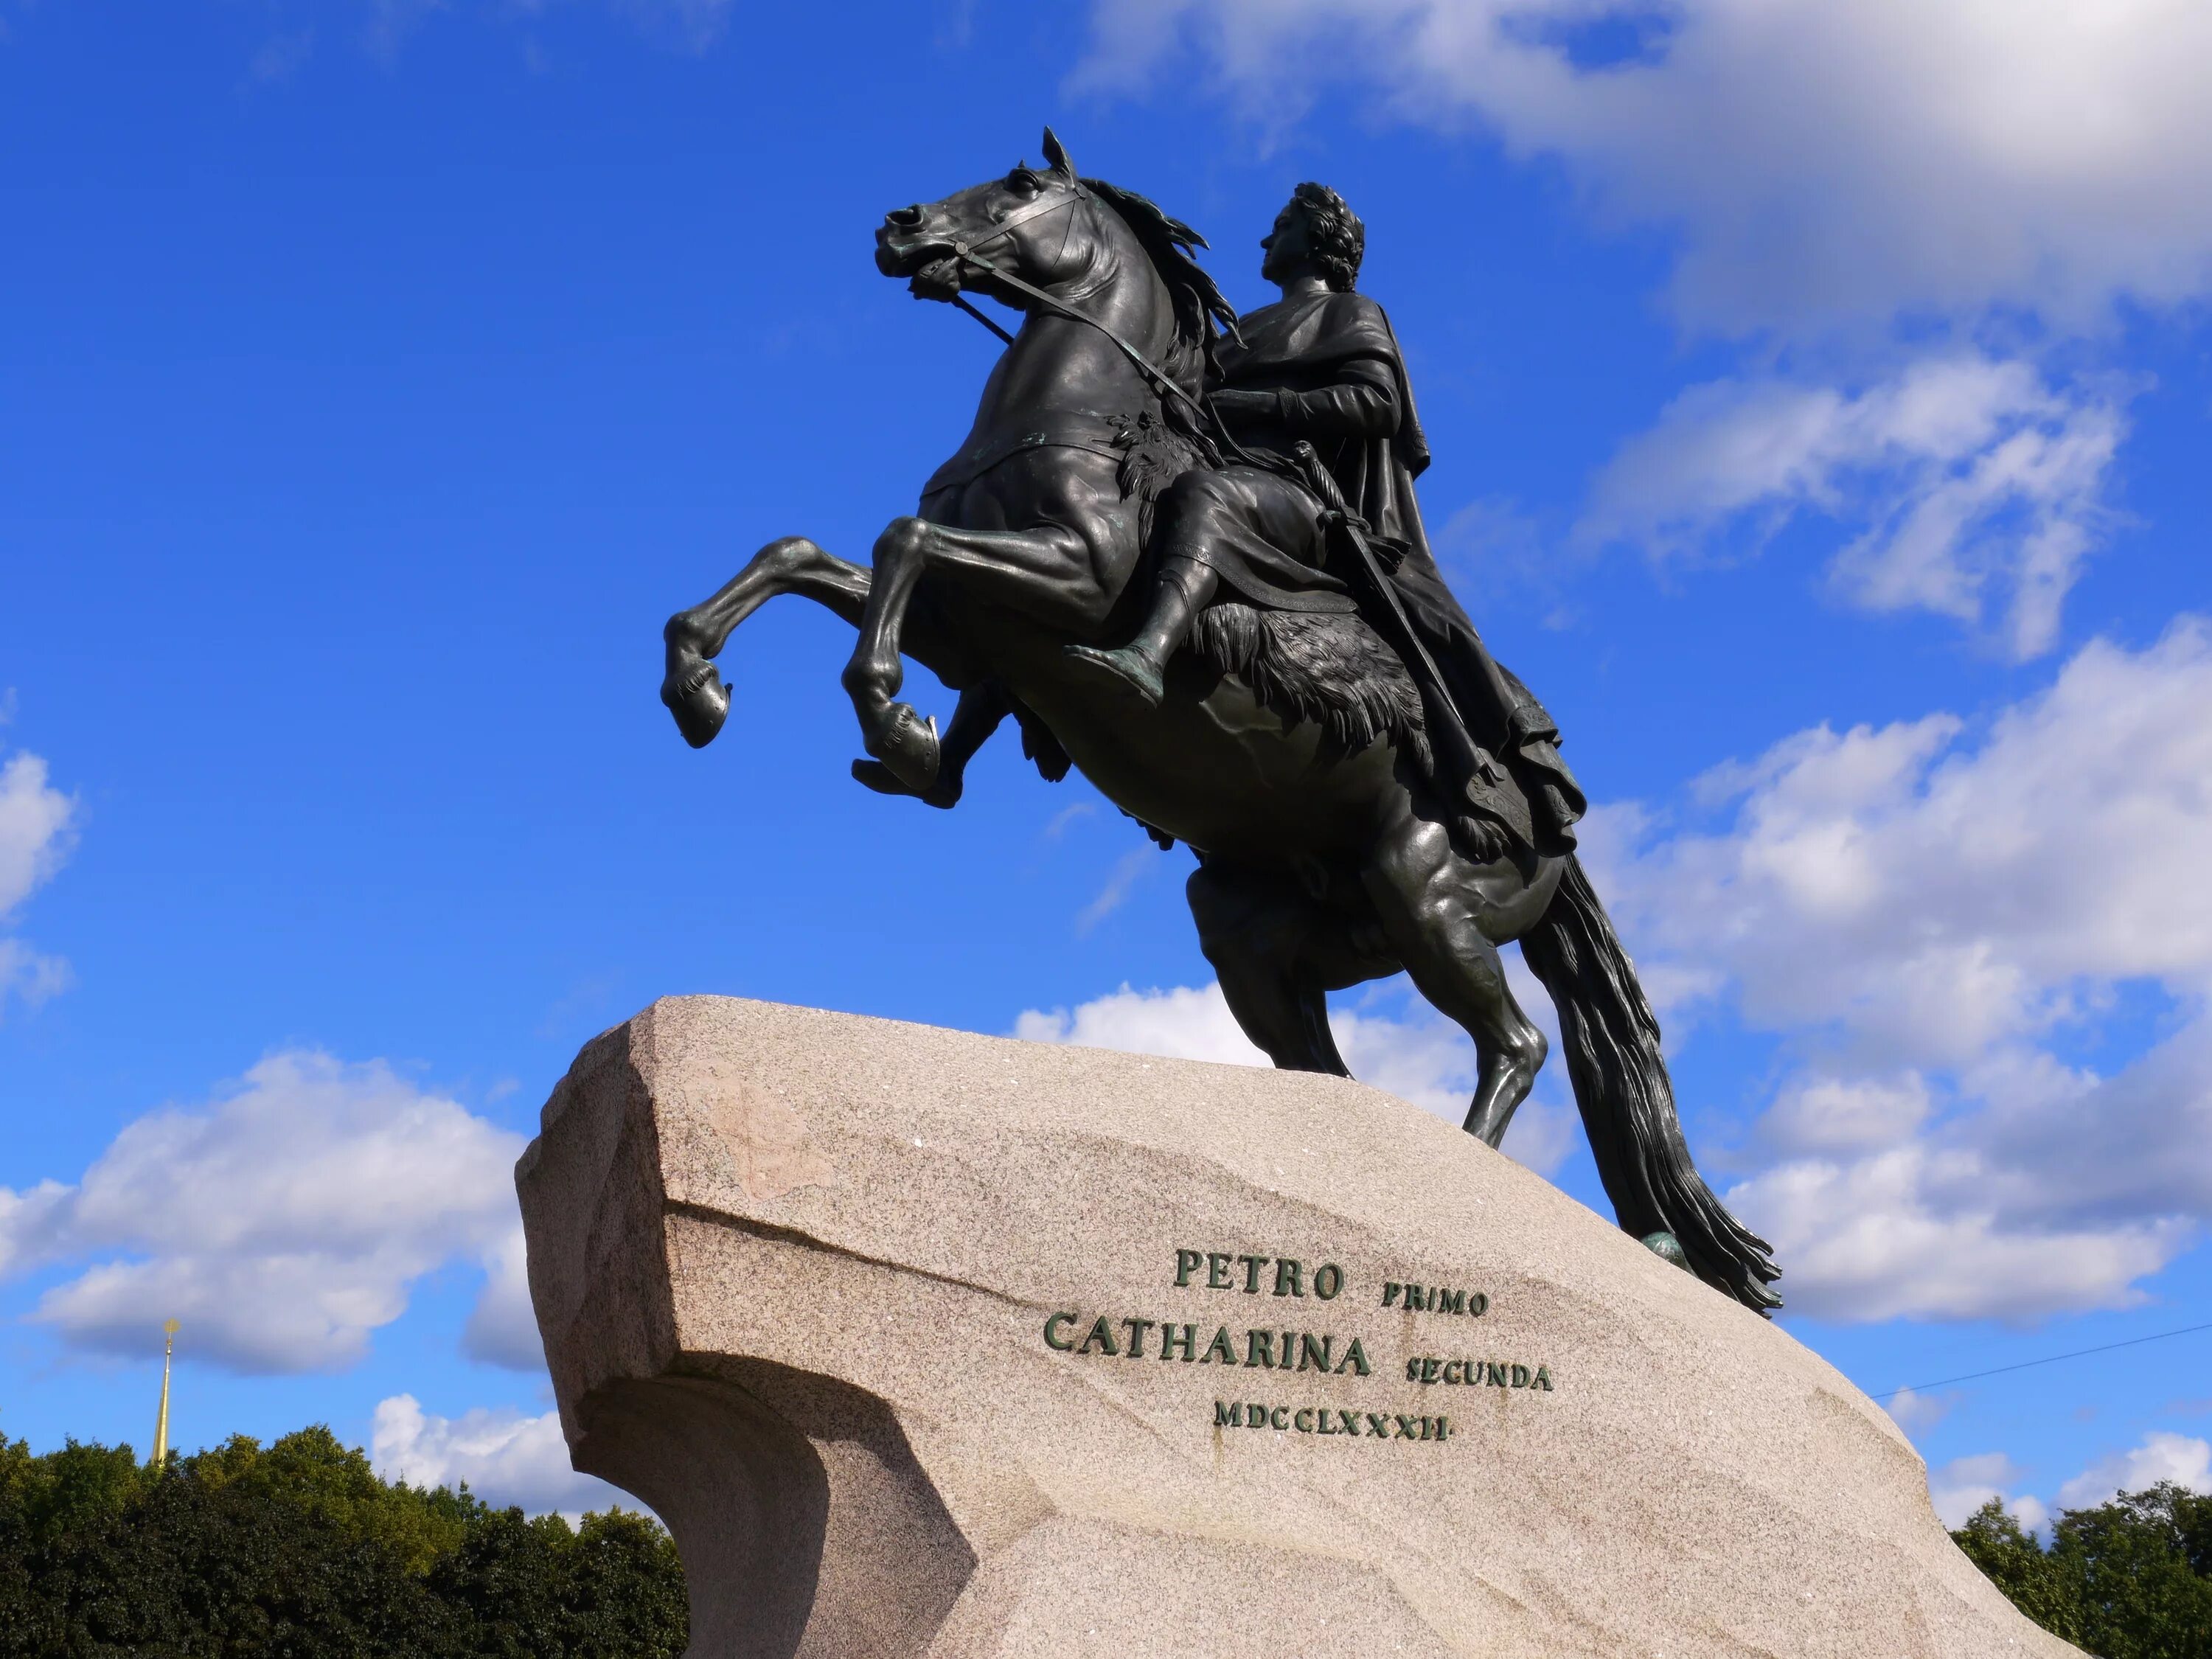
(1181, 548)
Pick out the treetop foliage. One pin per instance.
(300, 1550)
(2129, 1579)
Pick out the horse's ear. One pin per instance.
(1055, 157)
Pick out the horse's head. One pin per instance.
(1039, 224)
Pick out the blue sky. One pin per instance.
(1818, 396)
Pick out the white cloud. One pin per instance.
(2162, 1455)
(502, 1328)
(1916, 1413)
(25, 974)
(1964, 1484)
(1844, 188)
(1073, 812)
(1929, 915)
(1818, 1114)
(503, 1456)
(281, 1225)
(1935, 894)
(1818, 163)
(1905, 1233)
(1981, 487)
(37, 831)
(1181, 1023)
(1417, 1056)
(35, 822)
(1132, 867)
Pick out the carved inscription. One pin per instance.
(1286, 1350)
(1480, 1373)
(1093, 1335)
(1329, 1420)
(1228, 1272)
(1435, 1298)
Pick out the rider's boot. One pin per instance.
(1185, 586)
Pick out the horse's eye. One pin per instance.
(1022, 179)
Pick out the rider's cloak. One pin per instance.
(1338, 380)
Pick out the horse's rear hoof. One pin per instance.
(699, 701)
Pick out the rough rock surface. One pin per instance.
(850, 1303)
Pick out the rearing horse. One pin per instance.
(1324, 860)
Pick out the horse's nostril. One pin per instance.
(906, 217)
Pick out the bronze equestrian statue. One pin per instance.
(1181, 549)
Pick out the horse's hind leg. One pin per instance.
(691, 688)
(1259, 932)
(1432, 908)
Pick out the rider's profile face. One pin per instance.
(1288, 245)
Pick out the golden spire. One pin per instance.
(162, 1420)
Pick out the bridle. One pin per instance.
(1210, 428)
(970, 253)
(1076, 191)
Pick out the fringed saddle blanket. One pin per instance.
(1333, 669)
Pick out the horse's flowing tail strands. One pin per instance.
(1619, 1076)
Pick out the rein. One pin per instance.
(967, 253)
(1211, 427)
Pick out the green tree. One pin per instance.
(615, 1588)
(313, 1470)
(624, 1591)
(300, 1550)
(2022, 1569)
(2140, 1597)
(2129, 1579)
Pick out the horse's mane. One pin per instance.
(1200, 311)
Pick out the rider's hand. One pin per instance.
(1245, 408)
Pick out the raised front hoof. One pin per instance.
(874, 774)
(697, 698)
(1124, 670)
(1666, 1246)
(907, 745)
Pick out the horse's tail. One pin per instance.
(1628, 1104)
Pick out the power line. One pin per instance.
(2048, 1359)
